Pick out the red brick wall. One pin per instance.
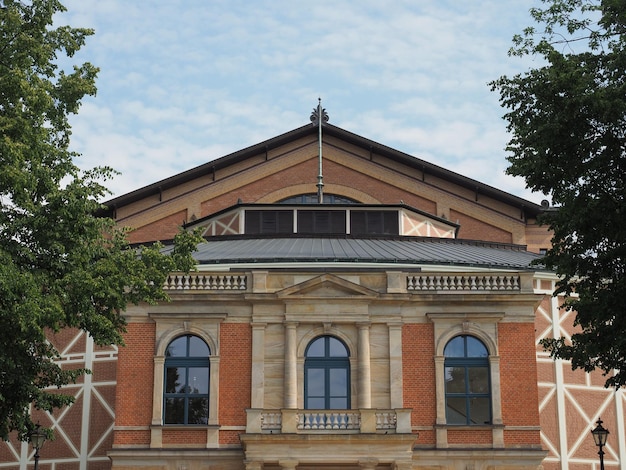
(418, 376)
(135, 379)
(235, 377)
(163, 229)
(474, 229)
(518, 374)
(469, 436)
(333, 174)
(184, 436)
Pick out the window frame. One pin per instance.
(186, 362)
(484, 326)
(467, 362)
(327, 363)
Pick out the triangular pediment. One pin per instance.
(327, 286)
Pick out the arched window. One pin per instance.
(186, 397)
(468, 390)
(312, 199)
(327, 374)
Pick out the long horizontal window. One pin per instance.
(322, 221)
(374, 222)
(269, 221)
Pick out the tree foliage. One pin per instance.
(61, 266)
(568, 124)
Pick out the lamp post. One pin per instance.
(599, 437)
(37, 438)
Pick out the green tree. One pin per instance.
(567, 118)
(61, 266)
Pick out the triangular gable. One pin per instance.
(354, 167)
(209, 172)
(325, 286)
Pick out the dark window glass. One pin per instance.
(177, 348)
(186, 390)
(269, 221)
(327, 374)
(320, 221)
(316, 348)
(475, 348)
(312, 199)
(468, 388)
(374, 222)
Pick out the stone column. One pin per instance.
(365, 372)
(291, 369)
(496, 404)
(441, 430)
(395, 366)
(258, 365)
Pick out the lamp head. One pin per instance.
(599, 434)
(37, 437)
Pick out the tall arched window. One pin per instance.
(186, 397)
(327, 374)
(468, 389)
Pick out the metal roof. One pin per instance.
(396, 250)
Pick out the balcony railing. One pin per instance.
(292, 421)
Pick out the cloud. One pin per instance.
(184, 82)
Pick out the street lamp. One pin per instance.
(599, 437)
(37, 437)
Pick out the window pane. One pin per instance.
(316, 348)
(177, 348)
(455, 380)
(455, 411)
(391, 224)
(175, 411)
(338, 382)
(197, 347)
(455, 347)
(479, 411)
(337, 349)
(478, 379)
(319, 221)
(338, 404)
(316, 404)
(315, 382)
(198, 412)
(175, 380)
(337, 222)
(475, 347)
(199, 380)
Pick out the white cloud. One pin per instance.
(184, 82)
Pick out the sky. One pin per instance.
(183, 82)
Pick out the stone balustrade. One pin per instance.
(294, 421)
(465, 282)
(202, 281)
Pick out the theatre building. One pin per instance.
(353, 307)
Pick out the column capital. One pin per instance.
(288, 464)
(368, 463)
(253, 465)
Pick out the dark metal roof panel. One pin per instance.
(364, 250)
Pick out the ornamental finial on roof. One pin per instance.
(319, 111)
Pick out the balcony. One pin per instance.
(294, 421)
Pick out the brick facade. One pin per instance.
(258, 335)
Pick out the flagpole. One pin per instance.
(320, 177)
